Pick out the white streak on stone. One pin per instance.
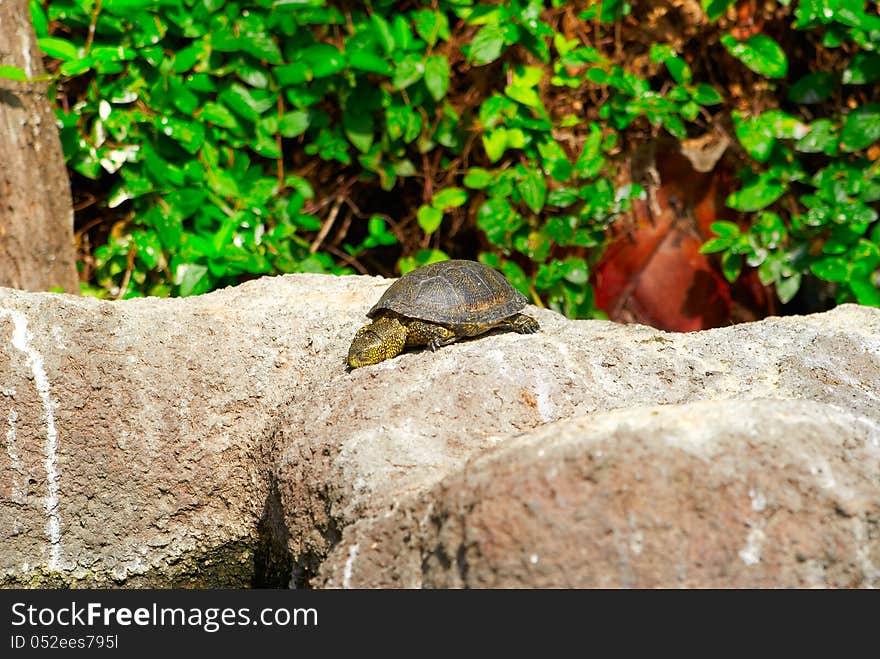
(822, 469)
(751, 553)
(546, 408)
(352, 554)
(636, 542)
(759, 501)
(34, 361)
(26, 53)
(19, 489)
(870, 572)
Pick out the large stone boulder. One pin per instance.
(219, 441)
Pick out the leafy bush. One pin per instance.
(226, 140)
(814, 181)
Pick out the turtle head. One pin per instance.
(382, 339)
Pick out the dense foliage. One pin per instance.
(212, 141)
(814, 182)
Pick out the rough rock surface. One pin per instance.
(219, 441)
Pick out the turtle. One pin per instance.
(438, 304)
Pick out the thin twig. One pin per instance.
(348, 258)
(88, 225)
(91, 37)
(328, 224)
(278, 144)
(123, 287)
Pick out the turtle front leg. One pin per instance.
(522, 324)
(423, 333)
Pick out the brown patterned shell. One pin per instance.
(452, 293)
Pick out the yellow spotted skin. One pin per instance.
(382, 339)
(436, 305)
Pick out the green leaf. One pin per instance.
(591, 161)
(192, 279)
(554, 159)
(38, 18)
(770, 230)
(715, 9)
(715, 245)
(613, 10)
(486, 45)
(812, 88)
(379, 231)
(755, 136)
(75, 67)
(292, 74)
(408, 72)
(496, 218)
(294, 123)
(437, 76)
(429, 218)
(450, 198)
(731, 266)
(725, 229)
(679, 70)
(359, 129)
(525, 95)
(366, 61)
(660, 52)
(382, 30)
(861, 128)
(403, 34)
(245, 102)
(495, 143)
(598, 75)
(822, 137)
(831, 268)
(478, 178)
(786, 289)
(403, 122)
(431, 25)
(866, 293)
(533, 189)
(706, 94)
(562, 198)
(527, 76)
(12, 73)
(189, 134)
(495, 110)
(863, 69)
(516, 139)
(575, 271)
(760, 53)
(219, 115)
(185, 58)
(325, 59)
(865, 257)
(757, 195)
(182, 98)
(689, 110)
(60, 48)
(852, 13)
(168, 223)
(674, 125)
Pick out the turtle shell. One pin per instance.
(452, 293)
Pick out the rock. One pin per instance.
(778, 493)
(133, 434)
(219, 441)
